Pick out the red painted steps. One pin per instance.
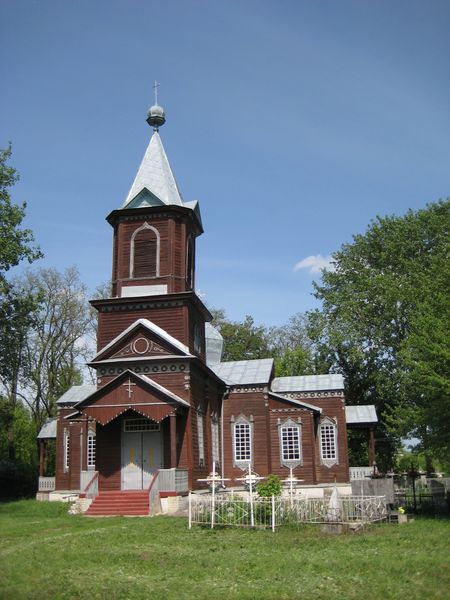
(118, 503)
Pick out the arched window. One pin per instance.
(91, 450)
(328, 442)
(242, 442)
(144, 252)
(290, 443)
(66, 450)
(190, 263)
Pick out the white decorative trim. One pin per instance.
(299, 396)
(158, 246)
(136, 291)
(297, 426)
(238, 424)
(330, 460)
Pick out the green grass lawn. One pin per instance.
(47, 554)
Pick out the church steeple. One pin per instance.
(154, 183)
(154, 230)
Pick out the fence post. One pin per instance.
(273, 513)
(190, 510)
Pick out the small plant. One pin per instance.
(271, 487)
(401, 510)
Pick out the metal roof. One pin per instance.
(214, 345)
(76, 394)
(359, 415)
(297, 402)
(308, 383)
(244, 372)
(155, 175)
(48, 429)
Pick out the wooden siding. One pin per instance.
(170, 318)
(109, 455)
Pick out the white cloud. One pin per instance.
(315, 263)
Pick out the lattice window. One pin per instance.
(144, 252)
(201, 439)
(290, 442)
(140, 425)
(328, 442)
(242, 441)
(91, 449)
(66, 450)
(215, 441)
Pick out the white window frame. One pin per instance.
(328, 445)
(140, 424)
(201, 439)
(243, 428)
(215, 443)
(66, 442)
(158, 245)
(296, 438)
(90, 449)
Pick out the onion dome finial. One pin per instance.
(155, 116)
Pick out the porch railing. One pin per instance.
(90, 488)
(173, 480)
(46, 484)
(360, 473)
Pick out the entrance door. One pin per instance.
(141, 453)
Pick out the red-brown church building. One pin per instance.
(165, 408)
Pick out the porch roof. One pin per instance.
(361, 415)
(104, 413)
(48, 430)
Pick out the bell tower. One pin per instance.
(153, 271)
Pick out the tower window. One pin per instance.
(190, 263)
(144, 252)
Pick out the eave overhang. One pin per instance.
(183, 211)
(311, 407)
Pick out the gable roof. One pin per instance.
(103, 412)
(152, 328)
(315, 409)
(308, 383)
(244, 372)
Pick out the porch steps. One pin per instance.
(119, 503)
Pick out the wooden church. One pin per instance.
(165, 408)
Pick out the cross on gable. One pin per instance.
(129, 383)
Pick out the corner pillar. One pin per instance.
(173, 440)
(371, 450)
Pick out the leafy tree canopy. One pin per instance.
(382, 313)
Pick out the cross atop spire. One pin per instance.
(155, 89)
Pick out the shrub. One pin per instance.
(271, 487)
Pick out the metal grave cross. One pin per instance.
(129, 383)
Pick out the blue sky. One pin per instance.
(293, 123)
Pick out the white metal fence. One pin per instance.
(46, 484)
(240, 511)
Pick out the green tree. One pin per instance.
(57, 346)
(16, 309)
(371, 307)
(244, 340)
